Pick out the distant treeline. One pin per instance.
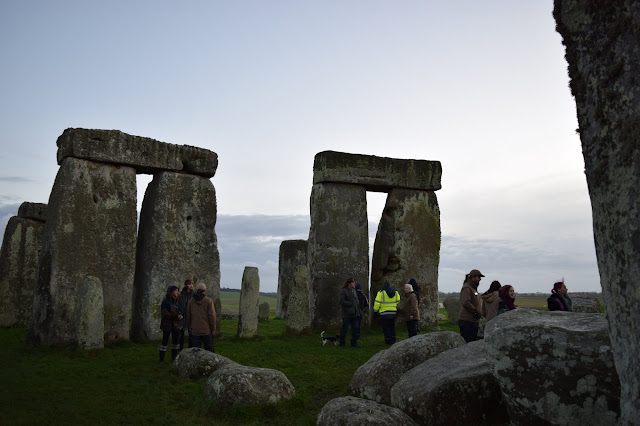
(572, 293)
(237, 290)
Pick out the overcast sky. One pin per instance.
(480, 86)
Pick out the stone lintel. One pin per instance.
(379, 174)
(34, 211)
(146, 155)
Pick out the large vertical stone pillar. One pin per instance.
(338, 248)
(90, 231)
(298, 317)
(176, 241)
(293, 253)
(249, 298)
(19, 258)
(408, 245)
(603, 52)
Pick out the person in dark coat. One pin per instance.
(470, 306)
(183, 299)
(351, 313)
(559, 300)
(170, 323)
(507, 299)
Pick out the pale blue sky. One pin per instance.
(480, 86)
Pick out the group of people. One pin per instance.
(497, 300)
(187, 310)
(355, 303)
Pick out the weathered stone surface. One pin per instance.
(176, 239)
(89, 314)
(376, 173)
(586, 304)
(338, 248)
(19, 257)
(293, 253)
(452, 305)
(603, 52)
(457, 387)
(34, 211)
(554, 367)
(351, 411)
(90, 231)
(227, 313)
(196, 363)
(408, 245)
(263, 312)
(298, 316)
(146, 155)
(374, 379)
(238, 384)
(249, 297)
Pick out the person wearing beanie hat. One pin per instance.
(469, 318)
(559, 300)
(386, 304)
(170, 323)
(183, 299)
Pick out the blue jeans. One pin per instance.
(388, 329)
(197, 341)
(354, 322)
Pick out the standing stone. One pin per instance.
(90, 231)
(338, 248)
(298, 317)
(19, 258)
(89, 314)
(176, 240)
(263, 312)
(603, 52)
(408, 245)
(452, 305)
(249, 296)
(293, 253)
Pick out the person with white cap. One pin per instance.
(201, 319)
(470, 309)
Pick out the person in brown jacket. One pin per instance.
(470, 309)
(201, 319)
(490, 301)
(411, 311)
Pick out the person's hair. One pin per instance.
(504, 295)
(201, 287)
(495, 286)
(188, 281)
(408, 286)
(557, 286)
(349, 281)
(467, 277)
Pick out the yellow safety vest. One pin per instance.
(384, 303)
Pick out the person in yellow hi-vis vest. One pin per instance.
(386, 305)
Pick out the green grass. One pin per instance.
(124, 384)
(231, 300)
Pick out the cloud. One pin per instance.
(16, 179)
(6, 211)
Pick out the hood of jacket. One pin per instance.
(491, 297)
(387, 288)
(198, 296)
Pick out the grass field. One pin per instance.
(231, 300)
(124, 384)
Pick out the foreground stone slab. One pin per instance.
(453, 306)
(293, 253)
(176, 240)
(90, 231)
(19, 256)
(238, 384)
(407, 246)
(196, 363)
(603, 52)
(146, 155)
(554, 367)
(338, 248)
(375, 378)
(351, 411)
(249, 299)
(455, 387)
(376, 173)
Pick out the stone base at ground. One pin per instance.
(237, 384)
(196, 363)
(351, 411)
